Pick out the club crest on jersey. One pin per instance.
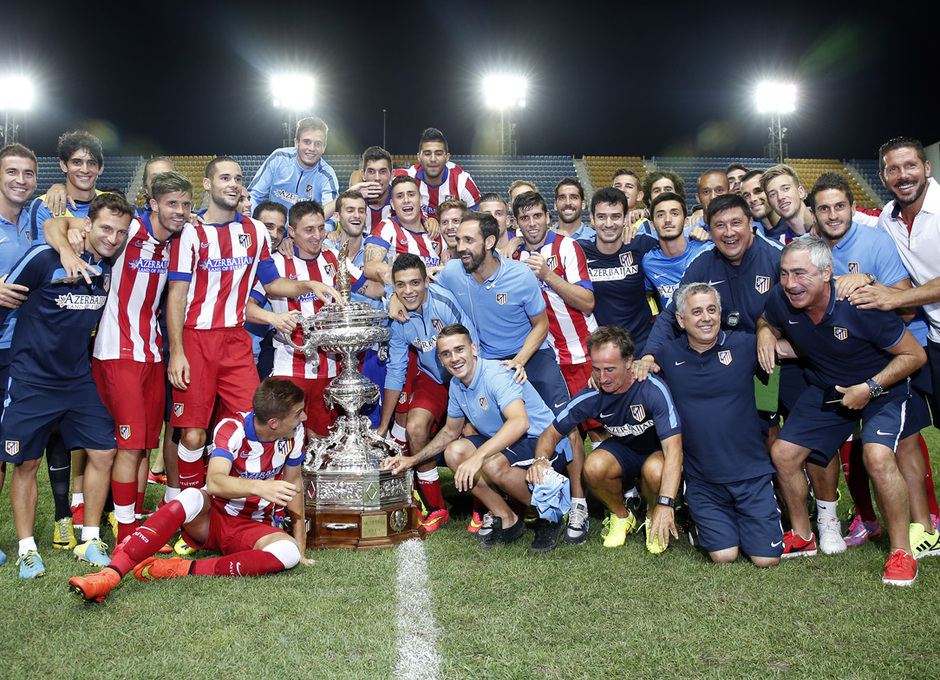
(436, 245)
(244, 240)
(724, 357)
(177, 410)
(330, 269)
(637, 411)
(551, 262)
(106, 282)
(761, 284)
(125, 431)
(483, 403)
(853, 268)
(626, 259)
(437, 324)
(840, 333)
(309, 190)
(11, 446)
(283, 446)
(502, 298)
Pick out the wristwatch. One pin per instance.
(667, 501)
(871, 279)
(874, 389)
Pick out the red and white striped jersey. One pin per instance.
(401, 240)
(568, 328)
(128, 327)
(375, 217)
(288, 362)
(235, 440)
(220, 262)
(455, 183)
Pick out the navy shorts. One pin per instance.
(33, 410)
(918, 415)
(543, 371)
(631, 462)
(825, 431)
(744, 514)
(521, 454)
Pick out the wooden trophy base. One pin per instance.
(363, 529)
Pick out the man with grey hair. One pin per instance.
(859, 367)
(727, 471)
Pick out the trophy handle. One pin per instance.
(310, 339)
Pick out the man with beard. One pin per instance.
(569, 204)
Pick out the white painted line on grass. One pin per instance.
(417, 630)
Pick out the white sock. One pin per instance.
(189, 455)
(90, 534)
(632, 493)
(77, 499)
(28, 544)
(171, 493)
(826, 510)
(429, 476)
(578, 501)
(286, 551)
(124, 513)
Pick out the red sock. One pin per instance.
(192, 473)
(845, 452)
(245, 563)
(431, 494)
(931, 491)
(124, 495)
(139, 507)
(147, 539)
(858, 482)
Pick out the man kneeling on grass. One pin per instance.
(254, 467)
(509, 417)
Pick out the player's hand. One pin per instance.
(177, 370)
(849, 283)
(75, 266)
(196, 218)
(519, 375)
(515, 243)
(325, 293)
(304, 560)
(662, 525)
(277, 491)
(396, 309)
(699, 234)
(76, 239)
(12, 295)
(285, 322)
(855, 397)
(334, 235)
(877, 296)
(466, 473)
(434, 271)
(642, 367)
(433, 227)
(637, 214)
(58, 200)
(397, 464)
(766, 349)
(536, 471)
(286, 247)
(629, 233)
(369, 190)
(537, 264)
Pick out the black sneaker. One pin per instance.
(546, 536)
(500, 535)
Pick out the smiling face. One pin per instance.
(731, 232)
(310, 145)
(433, 159)
(288, 424)
(81, 171)
(470, 246)
(449, 221)
(612, 372)
(532, 225)
(412, 288)
(702, 319)
(806, 287)
(406, 202)
(352, 217)
(225, 185)
(107, 233)
(172, 210)
(785, 196)
(833, 214)
(756, 198)
(17, 180)
(569, 204)
(608, 220)
(308, 235)
(276, 224)
(458, 356)
(905, 175)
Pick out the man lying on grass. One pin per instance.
(254, 467)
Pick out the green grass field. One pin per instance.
(578, 612)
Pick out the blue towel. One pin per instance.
(552, 498)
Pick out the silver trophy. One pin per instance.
(351, 502)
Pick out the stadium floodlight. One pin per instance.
(776, 98)
(16, 94)
(505, 93)
(292, 92)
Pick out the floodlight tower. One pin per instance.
(505, 93)
(776, 98)
(16, 94)
(292, 92)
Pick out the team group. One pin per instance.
(530, 336)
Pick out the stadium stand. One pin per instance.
(602, 168)
(118, 172)
(809, 170)
(690, 169)
(869, 170)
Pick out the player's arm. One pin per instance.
(178, 367)
(662, 517)
(514, 428)
(221, 483)
(544, 451)
(881, 297)
(577, 296)
(285, 322)
(452, 430)
(58, 200)
(533, 341)
(767, 337)
(284, 287)
(59, 233)
(908, 357)
(295, 510)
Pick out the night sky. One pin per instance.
(646, 79)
